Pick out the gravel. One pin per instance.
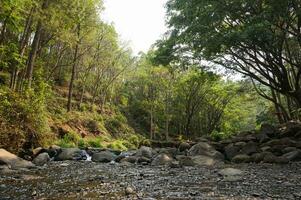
(89, 180)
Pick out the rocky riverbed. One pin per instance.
(251, 165)
(90, 180)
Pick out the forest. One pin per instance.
(67, 78)
(211, 111)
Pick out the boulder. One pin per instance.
(269, 157)
(240, 144)
(204, 160)
(241, 158)
(13, 161)
(293, 155)
(185, 160)
(162, 159)
(262, 137)
(169, 151)
(291, 129)
(103, 156)
(231, 151)
(145, 152)
(265, 148)
(268, 130)
(231, 174)
(288, 149)
(143, 160)
(205, 149)
(54, 151)
(129, 159)
(71, 154)
(249, 148)
(257, 157)
(184, 146)
(41, 159)
(37, 151)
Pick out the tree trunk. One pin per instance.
(23, 43)
(151, 123)
(34, 48)
(69, 105)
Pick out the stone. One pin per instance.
(230, 172)
(262, 137)
(37, 151)
(203, 160)
(184, 146)
(129, 159)
(257, 157)
(13, 161)
(240, 144)
(249, 148)
(269, 158)
(185, 160)
(143, 160)
(169, 151)
(129, 191)
(265, 148)
(205, 149)
(289, 149)
(277, 150)
(144, 152)
(174, 164)
(41, 159)
(162, 159)
(71, 154)
(293, 155)
(241, 158)
(268, 129)
(291, 129)
(231, 151)
(103, 156)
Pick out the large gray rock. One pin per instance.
(205, 149)
(268, 129)
(231, 151)
(103, 156)
(184, 146)
(169, 151)
(145, 152)
(293, 155)
(71, 154)
(185, 160)
(241, 158)
(129, 159)
(231, 174)
(12, 161)
(162, 159)
(204, 160)
(41, 159)
(249, 148)
(257, 157)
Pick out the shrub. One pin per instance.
(23, 119)
(117, 145)
(94, 142)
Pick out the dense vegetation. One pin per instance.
(67, 79)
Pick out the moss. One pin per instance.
(117, 145)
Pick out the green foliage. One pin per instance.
(118, 145)
(24, 119)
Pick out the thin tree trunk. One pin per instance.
(34, 48)
(22, 47)
(69, 105)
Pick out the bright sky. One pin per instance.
(140, 22)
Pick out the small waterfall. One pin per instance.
(88, 157)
